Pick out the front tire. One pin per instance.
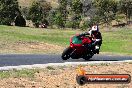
(66, 53)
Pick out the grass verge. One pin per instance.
(14, 39)
(63, 77)
(25, 73)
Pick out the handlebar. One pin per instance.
(83, 35)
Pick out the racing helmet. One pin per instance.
(95, 28)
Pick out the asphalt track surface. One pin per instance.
(31, 59)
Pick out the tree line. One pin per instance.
(69, 13)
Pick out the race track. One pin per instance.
(31, 59)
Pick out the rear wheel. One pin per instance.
(88, 56)
(66, 53)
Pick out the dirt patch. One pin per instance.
(32, 47)
(39, 47)
(64, 77)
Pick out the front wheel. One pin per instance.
(66, 53)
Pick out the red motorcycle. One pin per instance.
(80, 47)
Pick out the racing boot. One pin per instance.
(97, 49)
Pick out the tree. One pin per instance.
(77, 10)
(46, 7)
(63, 4)
(58, 20)
(76, 6)
(25, 12)
(106, 10)
(35, 13)
(125, 7)
(76, 19)
(51, 17)
(63, 10)
(88, 8)
(8, 9)
(38, 12)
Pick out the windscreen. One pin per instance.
(76, 40)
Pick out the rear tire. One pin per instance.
(66, 53)
(88, 56)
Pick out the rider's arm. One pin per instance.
(90, 32)
(83, 34)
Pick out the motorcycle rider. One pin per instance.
(95, 37)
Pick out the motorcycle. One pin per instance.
(80, 47)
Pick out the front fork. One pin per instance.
(73, 51)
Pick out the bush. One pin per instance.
(72, 24)
(44, 21)
(69, 24)
(93, 20)
(5, 21)
(84, 25)
(75, 24)
(76, 19)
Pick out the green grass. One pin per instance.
(116, 41)
(119, 41)
(25, 73)
(13, 34)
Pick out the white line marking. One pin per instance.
(57, 64)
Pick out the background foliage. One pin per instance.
(8, 9)
(68, 13)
